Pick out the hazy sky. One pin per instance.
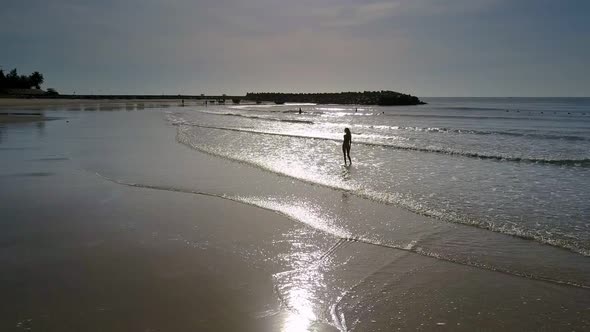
(422, 47)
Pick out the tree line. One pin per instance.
(13, 80)
(383, 98)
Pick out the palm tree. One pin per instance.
(36, 79)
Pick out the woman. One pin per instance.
(346, 145)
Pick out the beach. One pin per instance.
(124, 216)
(82, 104)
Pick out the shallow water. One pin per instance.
(517, 166)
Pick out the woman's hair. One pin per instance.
(346, 130)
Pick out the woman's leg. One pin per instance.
(344, 152)
(348, 152)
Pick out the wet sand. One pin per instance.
(80, 260)
(109, 224)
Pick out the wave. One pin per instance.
(520, 116)
(507, 115)
(480, 132)
(585, 162)
(423, 129)
(398, 199)
(295, 121)
(333, 109)
(472, 108)
(555, 110)
(304, 112)
(257, 106)
(260, 117)
(297, 214)
(502, 109)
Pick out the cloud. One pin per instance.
(305, 45)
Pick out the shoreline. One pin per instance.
(24, 103)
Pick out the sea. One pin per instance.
(519, 167)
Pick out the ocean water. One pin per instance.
(514, 166)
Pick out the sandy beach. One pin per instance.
(110, 224)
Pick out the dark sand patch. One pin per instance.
(12, 148)
(52, 159)
(21, 117)
(30, 174)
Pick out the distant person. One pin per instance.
(346, 145)
(299, 110)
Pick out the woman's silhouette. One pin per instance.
(346, 145)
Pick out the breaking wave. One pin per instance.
(255, 117)
(584, 162)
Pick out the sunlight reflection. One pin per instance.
(301, 292)
(303, 316)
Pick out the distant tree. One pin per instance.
(24, 82)
(2, 79)
(12, 77)
(16, 81)
(13, 80)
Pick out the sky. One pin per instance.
(426, 48)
